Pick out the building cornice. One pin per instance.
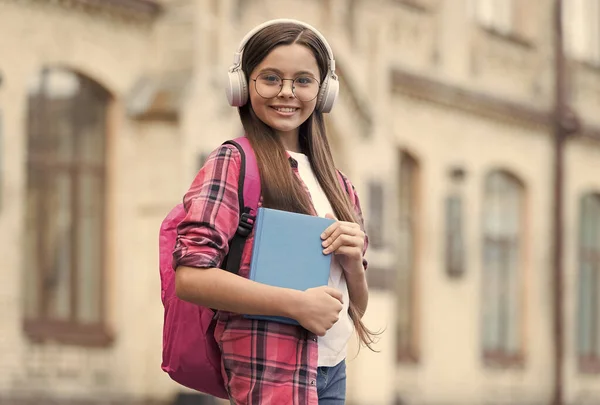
(126, 8)
(478, 103)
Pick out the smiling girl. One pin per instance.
(283, 83)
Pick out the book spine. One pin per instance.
(256, 246)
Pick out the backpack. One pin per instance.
(190, 354)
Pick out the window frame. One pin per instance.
(506, 19)
(376, 223)
(454, 235)
(502, 356)
(2, 145)
(407, 350)
(40, 325)
(589, 363)
(582, 31)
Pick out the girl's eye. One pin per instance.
(305, 81)
(270, 78)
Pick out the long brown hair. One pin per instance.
(280, 188)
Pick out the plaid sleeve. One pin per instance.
(212, 211)
(353, 195)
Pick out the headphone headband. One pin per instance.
(237, 57)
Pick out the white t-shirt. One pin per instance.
(333, 346)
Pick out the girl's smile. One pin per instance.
(284, 110)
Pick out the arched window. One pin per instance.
(588, 339)
(502, 238)
(65, 211)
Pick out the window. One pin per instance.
(406, 333)
(513, 18)
(588, 328)
(202, 158)
(1, 161)
(502, 236)
(455, 265)
(418, 5)
(350, 21)
(213, 23)
(375, 223)
(65, 208)
(581, 19)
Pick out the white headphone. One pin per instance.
(237, 90)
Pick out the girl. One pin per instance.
(288, 70)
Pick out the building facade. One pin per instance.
(445, 124)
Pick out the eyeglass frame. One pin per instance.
(281, 87)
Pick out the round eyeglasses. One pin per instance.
(269, 85)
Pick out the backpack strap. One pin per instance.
(249, 177)
(248, 198)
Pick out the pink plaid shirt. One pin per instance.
(262, 362)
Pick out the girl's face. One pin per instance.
(284, 112)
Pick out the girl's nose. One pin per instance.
(287, 89)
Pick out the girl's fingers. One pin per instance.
(343, 240)
(340, 229)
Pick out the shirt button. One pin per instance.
(312, 382)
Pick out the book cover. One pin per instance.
(287, 252)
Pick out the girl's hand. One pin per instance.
(346, 240)
(319, 309)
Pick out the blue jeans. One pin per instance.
(331, 384)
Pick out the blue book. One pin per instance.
(287, 252)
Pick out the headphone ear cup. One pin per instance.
(243, 88)
(237, 90)
(328, 94)
(321, 95)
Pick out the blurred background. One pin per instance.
(470, 128)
